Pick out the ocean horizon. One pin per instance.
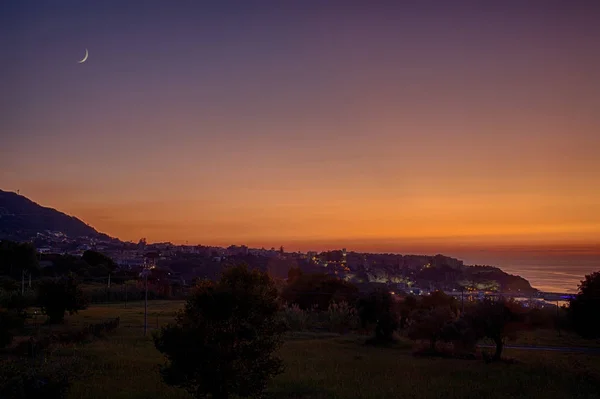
(559, 273)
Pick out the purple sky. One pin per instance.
(421, 125)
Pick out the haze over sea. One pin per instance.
(546, 272)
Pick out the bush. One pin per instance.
(379, 307)
(10, 320)
(18, 380)
(295, 318)
(12, 316)
(461, 334)
(39, 345)
(429, 324)
(318, 291)
(9, 284)
(223, 342)
(342, 317)
(56, 297)
(14, 299)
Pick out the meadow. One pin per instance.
(125, 364)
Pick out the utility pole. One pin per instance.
(462, 300)
(145, 303)
(557, 318)
(22, 282)
(144, 274)
(125, 294)
(108, 289)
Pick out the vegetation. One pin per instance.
(228, 340)
(223, 342)
(498, 320)
(318, 290)
(317, 365)
(57, 296)
(17, 260)
(11, 319)
(379, 308)
(584, 310)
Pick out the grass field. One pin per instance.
(125, 365)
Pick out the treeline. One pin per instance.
(20, 261)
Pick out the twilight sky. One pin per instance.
(436, 124)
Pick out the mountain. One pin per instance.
(22, 219)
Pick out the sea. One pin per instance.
(561, 273)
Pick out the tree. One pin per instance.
(498, 320)
(95, 259)
(294, 274)
(8, 284)
(429, 324)
(12, 316)
(409, 304)
(584, 309)
(10, 320)
(223, 342)
(319, 290)
(462, 335)
(57, 296)
(434, 312)
(379, 307)
(17, 259)
(439, 299)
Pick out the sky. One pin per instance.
(427, 126)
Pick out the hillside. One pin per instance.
(21, 219)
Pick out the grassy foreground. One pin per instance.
(125, 365)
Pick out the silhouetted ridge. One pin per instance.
(21, 218)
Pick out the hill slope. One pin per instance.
(21, 219)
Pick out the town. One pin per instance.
(414, 274)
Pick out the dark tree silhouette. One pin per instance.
(57, 296)
(379, 307)
(12, 318)
(439, 299)
(95, 259)
(17, 258)
(409, 304)
(584, 309)
(429, 324)
(294, 274)
(223, 342)
(498, 320)
(319, 290)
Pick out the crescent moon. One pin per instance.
(84, 58)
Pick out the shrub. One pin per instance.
(14, 299)
(318, 290)
(429, 324)
(379, 307)
(223, 342)
(461, 334)
(342, 317)
(8, 284)
(10, 320)
(56, 297)
(12, 316)
(18, 380)
(38, 345)
(295, 318)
